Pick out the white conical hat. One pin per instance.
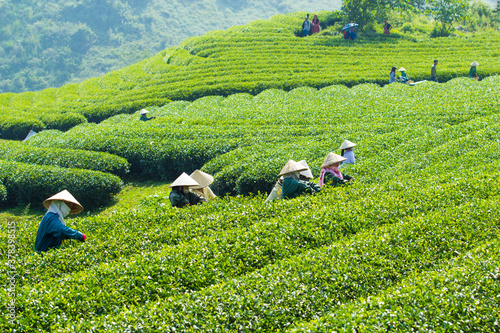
(347, 144)
(202, 178)
(67, 198)
(184, 180)
(474, 64)
(401, 69)
(290, 167)
(306, 173)
(332, 158)
(143, 111)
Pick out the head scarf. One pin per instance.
(60, 208)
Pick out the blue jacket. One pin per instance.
(52, 232)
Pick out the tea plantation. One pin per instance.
(252, 58)
(411, 246)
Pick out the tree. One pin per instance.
(446, 12)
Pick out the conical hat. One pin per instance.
(306, 173)
(202, 178)
(290, 167)
(474, 64)
(401, 69)
(184, 180)
(347, 144)
(67, 198)
(332, 158)
(143, 111)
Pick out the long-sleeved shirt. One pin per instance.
(52, 232)
(180, 199)
(293, 188)
(350, 159)
(433, 72)
(473, 72)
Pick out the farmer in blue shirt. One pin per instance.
(144, 116)
(53, 230)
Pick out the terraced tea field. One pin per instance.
(411, 245)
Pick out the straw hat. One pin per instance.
(67, 198)
(474, 64)
(347, 144)
(184, 180)
(290, 167)
(143, 111)
(332, 158)
(401, 69)
(202, 178)
(306, 173)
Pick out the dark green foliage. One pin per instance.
(66, 158)
(17, 127)
(29, 183)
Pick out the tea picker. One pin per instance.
(53, 230)
(346, 151)
(203, 189)
(330, 173)
(144, 116)
(180, 195)
(292, 186)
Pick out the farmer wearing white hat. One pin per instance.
(330, 173)
(180, 195)
(346, 151)
(473, 70)
(304, 177)
(144, 116)
(293, 187)
(53, 230)
(403, 78)
(203, 190)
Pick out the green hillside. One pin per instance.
(46, 46)
(417, 228)
(251, 58)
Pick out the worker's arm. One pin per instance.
(59, 230)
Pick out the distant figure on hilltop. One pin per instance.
(306, 25)
(144, 116)
(315, 25)
(387, 28)
(434, 72)
(473, 70)
(392, 75)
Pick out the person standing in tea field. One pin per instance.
(144, 116)
(304, 177)
(330, 173)
(434, 72)
(306, 26)
(180, 195)
(203, 189)
(293, 187)
(387, 28)
(403, 78)
(392, 75)
(315, 25)
(347, 151)
(473, 70)
(52, 229)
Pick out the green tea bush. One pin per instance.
(66, 158)
(17, 127)
(29, 183)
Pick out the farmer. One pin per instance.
(434, 72)
(346, 151)
(352, 35)
(204, 179)
(387, 28)
(315, 25)
(473, 70)
(180, 195)
(306, 26)
(330, 173)
(53, 230)
(143, 114)
(392, 75)
(304, 177)
(293, 187)
(403, 78)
